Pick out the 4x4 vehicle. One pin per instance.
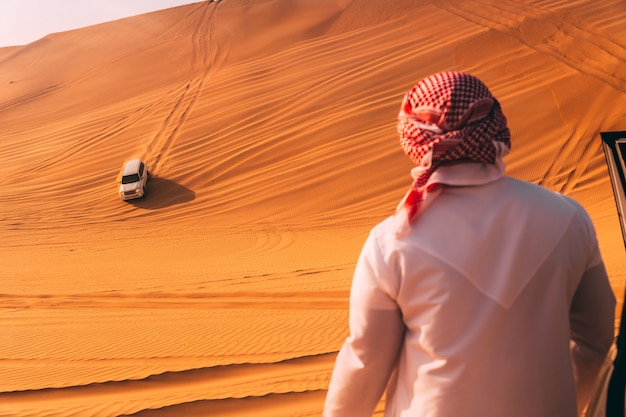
(133, 179)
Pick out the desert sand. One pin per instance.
(269, 130)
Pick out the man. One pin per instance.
(484, 295)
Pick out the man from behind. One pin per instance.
(483, 296)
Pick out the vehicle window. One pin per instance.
(127, 179)
(141, 169)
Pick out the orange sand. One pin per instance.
(269, 127)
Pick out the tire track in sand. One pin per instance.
(204, 61)
(579, 45)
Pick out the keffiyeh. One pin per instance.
(448, 118)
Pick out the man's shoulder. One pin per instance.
(538, 198)
(527, 188)
(384, 227)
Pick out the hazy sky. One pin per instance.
(25, 21)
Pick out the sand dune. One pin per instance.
(269, 129)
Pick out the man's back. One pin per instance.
(485, 281)
(483, 295)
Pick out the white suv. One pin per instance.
(134, 177)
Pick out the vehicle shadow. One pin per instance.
(162, 193)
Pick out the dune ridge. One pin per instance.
(269, 131)
(303, 374)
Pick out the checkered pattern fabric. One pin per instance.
(448, 117)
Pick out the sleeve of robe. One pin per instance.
(592, 315)
(369, 354)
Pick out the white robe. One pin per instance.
(495, 304)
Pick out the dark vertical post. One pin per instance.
(614, 144)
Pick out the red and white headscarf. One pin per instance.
(449, 117)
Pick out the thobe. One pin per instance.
(495, 304)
